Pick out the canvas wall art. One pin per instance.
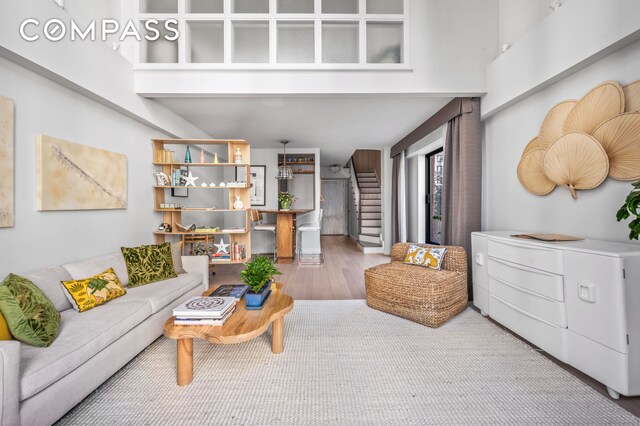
(6, 162)
(72, 176)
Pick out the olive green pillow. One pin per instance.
(148, 264)
(31, 316)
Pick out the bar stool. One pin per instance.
(316, 258)
(258, 225)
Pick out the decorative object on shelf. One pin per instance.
(222, 247)
(204, 184)
(201, 156)
(258, 185)
(6, 162)
(286, 199)
(164, 227)
(284, 171)
(188, 228)
(212, 185)
(72, 176)
(187, 156)
(215, 158)
(238, 204)
(258, 274)
(238, 156)
(630, 208)
(162, 179)
(576, 161)
(567, 150)
(222, 185)
(191, 180)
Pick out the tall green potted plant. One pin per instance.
(286, 199)
(258, 274)
(631, 207)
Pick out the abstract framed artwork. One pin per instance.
(258, 185)
(72, 176)
(6, 162)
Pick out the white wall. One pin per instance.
(507, 206)
(517, 17)
(41, 239)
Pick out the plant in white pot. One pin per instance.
(258, 275)
(286, 199)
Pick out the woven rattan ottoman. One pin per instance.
(416, 293)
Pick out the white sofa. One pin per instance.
(39, 385)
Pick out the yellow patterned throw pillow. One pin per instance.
(91, 292)
(430, 257)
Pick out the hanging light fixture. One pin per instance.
(284, 171)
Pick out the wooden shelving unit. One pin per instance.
(174, 215)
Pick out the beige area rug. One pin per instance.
(345, 363)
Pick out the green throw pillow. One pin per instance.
(31, 316)
(148, 264)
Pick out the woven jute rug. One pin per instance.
(345, 363)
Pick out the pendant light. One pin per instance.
(284, 171)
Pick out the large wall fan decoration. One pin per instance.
(582, 142)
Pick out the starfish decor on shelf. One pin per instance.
(222, 247)
(190, 180)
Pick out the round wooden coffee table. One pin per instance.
(241, 326)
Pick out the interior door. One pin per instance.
(334, 207)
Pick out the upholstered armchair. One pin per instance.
(417, 293)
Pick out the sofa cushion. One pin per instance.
(91, 267)
(48, 280)
(148, 264)
(81, 336)
(162, 293)
(90, 292)
(31, 316)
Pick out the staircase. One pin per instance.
(369, 211)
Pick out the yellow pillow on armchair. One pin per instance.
(429, 257)
(5, 334)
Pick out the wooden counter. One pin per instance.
(285, 232)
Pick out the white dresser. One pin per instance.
(578, 301)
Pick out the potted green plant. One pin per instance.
(631, 207)
(258, 274)
(286, 199)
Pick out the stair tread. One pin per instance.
(368, 244)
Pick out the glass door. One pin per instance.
(434, 175)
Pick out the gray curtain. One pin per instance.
(462, 186)
(395, 198)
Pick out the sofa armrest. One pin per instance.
(197, 265)
(10, 388)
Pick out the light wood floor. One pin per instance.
(340, 277)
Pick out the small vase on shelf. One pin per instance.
(215, 158)
(238, 156)
(238, 204)
(187, 156)
(202, 156)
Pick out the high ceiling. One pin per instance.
(337, 124)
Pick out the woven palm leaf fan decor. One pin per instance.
(620, 138)
(553, 125)
(632, 96)
(533, 144)
(577, 161)
(532, 176)
(600, 104)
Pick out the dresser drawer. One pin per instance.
(543, 334)
(541, 282)
(542, 307)
(549, 260)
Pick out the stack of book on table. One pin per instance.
(204, 311)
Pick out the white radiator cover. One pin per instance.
(579, 301)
